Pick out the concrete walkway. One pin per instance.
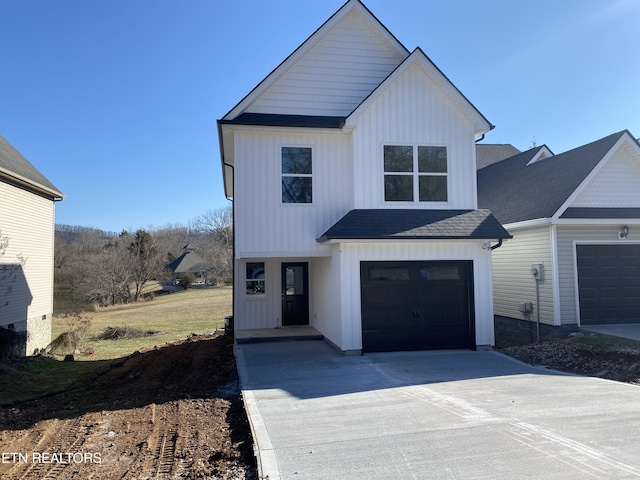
(628, 330)
(317, 414)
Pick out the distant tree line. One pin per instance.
(107, 268)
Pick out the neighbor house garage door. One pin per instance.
(609, 283)
(417, 305)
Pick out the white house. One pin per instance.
(352, 172)
(26, 248)
(576, 214)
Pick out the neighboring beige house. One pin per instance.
(27, 201)
(352, 172)
(577, 216)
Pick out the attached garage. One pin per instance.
(417, 305)
(608, 283)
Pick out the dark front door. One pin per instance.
(295, 294)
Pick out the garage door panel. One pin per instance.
(434, 309)
(608, 283)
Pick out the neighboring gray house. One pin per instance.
(27, 201)
(188, 263)
(352, 171)
(578, 215)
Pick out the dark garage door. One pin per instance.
(417, 305)
(609, 283)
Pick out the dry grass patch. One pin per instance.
(175, 315)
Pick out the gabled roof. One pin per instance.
(415, 224)
(489, 153)
(189, 261)
(17, 169)
(350, 6)
(388, 61)
(482, 125)
(516, 190)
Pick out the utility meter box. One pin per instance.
(537, 270)
(526, 307)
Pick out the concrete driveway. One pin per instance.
(317, 414)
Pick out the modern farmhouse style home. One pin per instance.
(352, 170)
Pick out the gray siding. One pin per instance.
(567, 237)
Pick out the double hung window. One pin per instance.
(255, 278)
(297, 178)
(415, 173)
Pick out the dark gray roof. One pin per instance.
(488, 153)
(515, 192)
(189, 261)
(397, 224)
(276, 120)
(599, 212)
(18, 168)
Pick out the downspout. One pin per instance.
(233, 227)
(480, 139)
(497, 245)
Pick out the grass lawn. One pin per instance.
(175, 316)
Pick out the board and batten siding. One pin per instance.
(413, 111)
(267, 227)
(27, 220)
(512, 279)
(352, 254)
(567, 237)
(335, 75)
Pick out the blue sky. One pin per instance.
(116, 101)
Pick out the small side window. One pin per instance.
(255, 279)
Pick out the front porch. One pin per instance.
(296, 332)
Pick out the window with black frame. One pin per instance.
(297, 175)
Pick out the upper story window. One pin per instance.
(415, 173)
(297, 169)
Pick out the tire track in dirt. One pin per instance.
(51, 455)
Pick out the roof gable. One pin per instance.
(517, 190)
(18, 169)
(438, 79)
(613, 184)
(345, 59)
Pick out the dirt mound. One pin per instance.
(622, 365)
(168, 412)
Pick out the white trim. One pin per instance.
(324, 252)
(541, 155)
(557, 320)
(601, 163)
(538, 222)
(575, 265)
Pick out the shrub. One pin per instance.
(12, 343)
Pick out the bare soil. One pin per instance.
(170, 412)
(175, 412)
(619, 364)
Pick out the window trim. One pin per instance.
(299, 175)
(415, 174)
